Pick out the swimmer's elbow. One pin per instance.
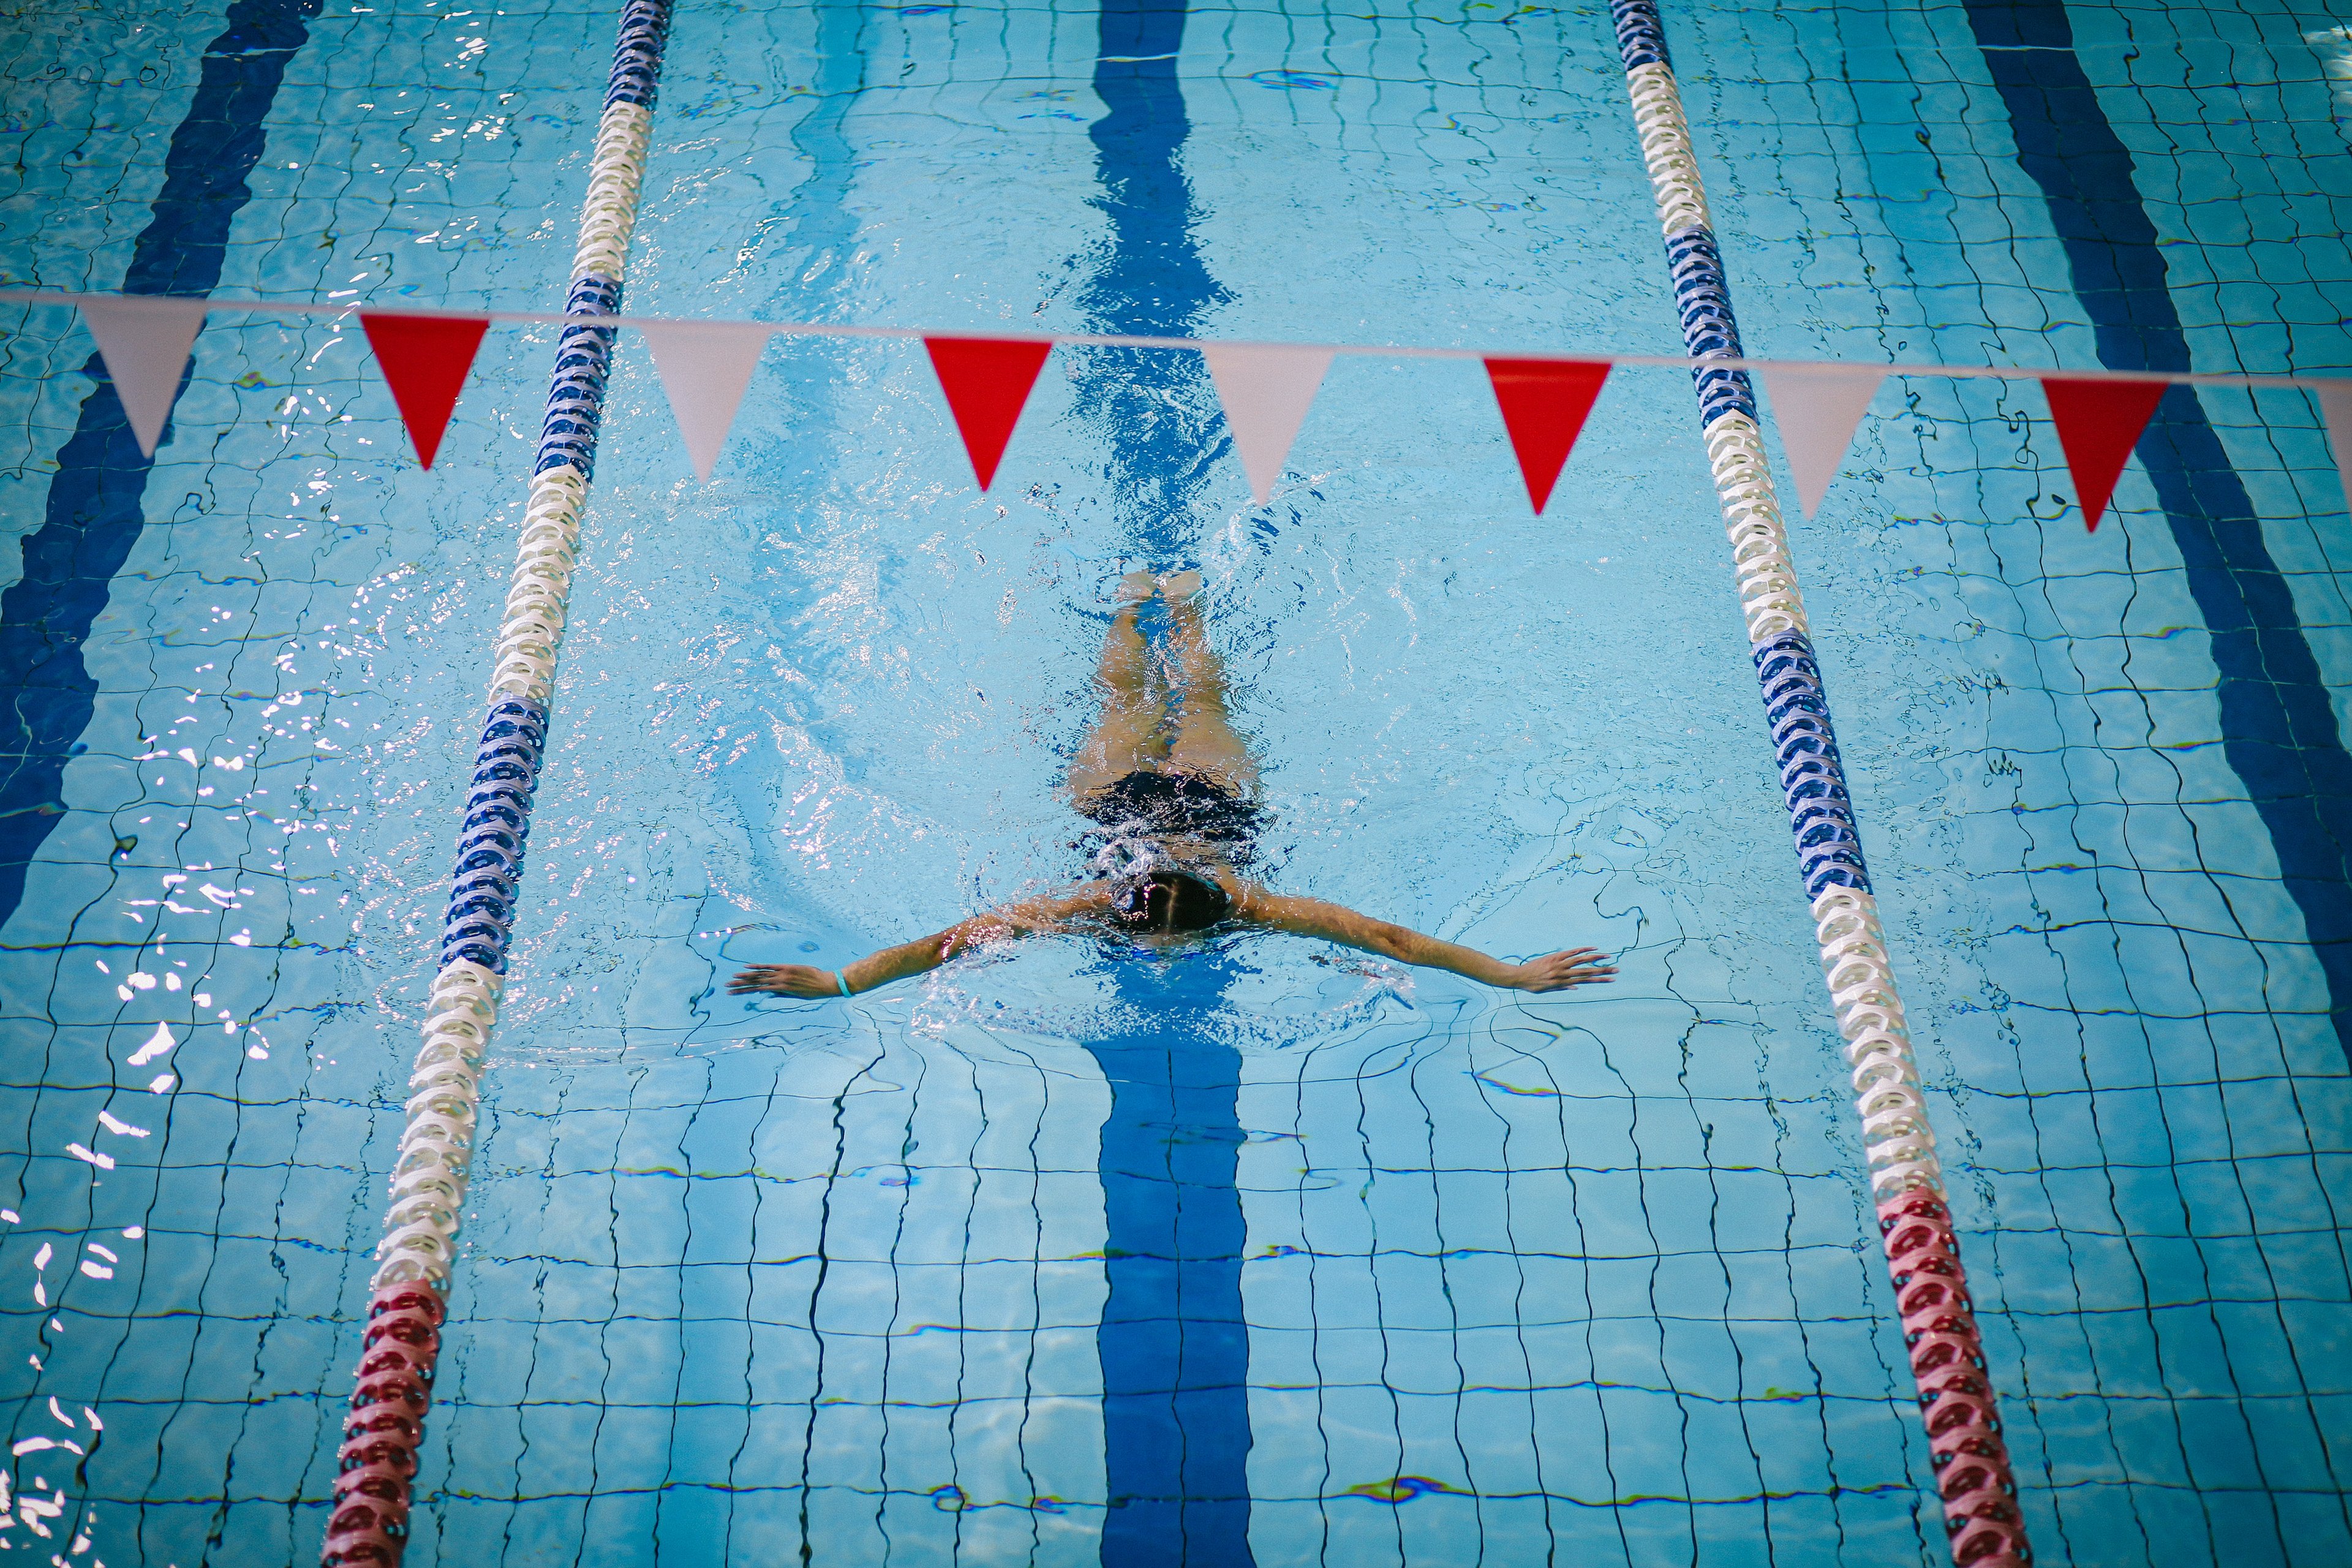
(982, 930)
(1337, 922)
(965, 935)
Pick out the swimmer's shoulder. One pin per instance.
(1079, 903)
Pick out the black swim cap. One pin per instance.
(1165, 899)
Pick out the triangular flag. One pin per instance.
(705, 367)
(1265, 390)
(1819, 407)
(144, 339)
(1544, 404)
(2336, 408)
(426, 359)
(2099, 423)
(987, 383)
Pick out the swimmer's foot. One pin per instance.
(1136, 587)
(1180, 585)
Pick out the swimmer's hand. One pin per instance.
(1577, 966)
(785, 980)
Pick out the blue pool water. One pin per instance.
(1270, 1253)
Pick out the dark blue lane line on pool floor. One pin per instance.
(94, 510)
(1162, 431)
(2279, 730)
(1174, 1347)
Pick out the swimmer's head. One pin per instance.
(1163, 900)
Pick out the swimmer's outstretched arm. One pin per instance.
(1030, 917)
(1335, 922)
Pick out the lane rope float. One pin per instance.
(1971, 1462)
(409, 1293)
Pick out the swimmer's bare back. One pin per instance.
(1087, 907)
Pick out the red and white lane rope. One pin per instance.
(1931, 1291)
(408, 1300)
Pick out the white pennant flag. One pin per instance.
(1819, 407)
(144, 339)
(705, 367)
(2336, 408)
(1266, 391)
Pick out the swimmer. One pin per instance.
(1173, 790)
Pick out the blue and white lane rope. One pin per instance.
(1971, 1463)
(408, 1294)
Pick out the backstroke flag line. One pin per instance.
(706, 367)
(1265, 390)
(145, 342)
(1545, 402)
(1819, 407)
(144, 339)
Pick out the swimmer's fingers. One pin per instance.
(783, 980)
(1559, 971)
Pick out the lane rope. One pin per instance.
(409, 1293)
(1907, 1180)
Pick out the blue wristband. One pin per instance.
(842, 976)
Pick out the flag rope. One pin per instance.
(706, 365)
(612, 320)
(1946, 1352)
(408, 1295)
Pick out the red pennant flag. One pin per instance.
(987, 383)
(1544, 404)
(426, 359)
(2099, 423)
